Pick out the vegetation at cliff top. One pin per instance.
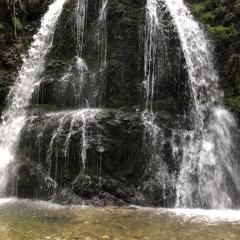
(222, 22)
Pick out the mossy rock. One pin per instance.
(44, 107)
(17, 24)
(207, 17)
(199, 7)
(221, 33)
(237, 7)
(234, 103)
(232, 68)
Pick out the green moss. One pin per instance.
(17, 23)
(24, 152)
(198, 7)
(221, 33)
(1, 27)
(234, 103)
(237, 6)
(221, 10)
(204, 11)
(207, 17)
(123, 79)
(3, 90)
(46, 107)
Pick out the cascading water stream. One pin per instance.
(102, 45)
(208, 176)
(81, 18)
(29, 78)
(156, 71)
(84, 117)
(150, 48)
(79, 118)
(208, 163)
(101, 35)
(73, 81)
(151, 28)
(69, 123)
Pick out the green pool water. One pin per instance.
(28, 220)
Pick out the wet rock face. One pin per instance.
(123, 75)
(125, 22)
(74, 76)
(35, 7)
(29, 180)
(121, 84)
(109, 144)
(100, 160)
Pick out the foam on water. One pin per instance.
(4, 201)
(217, 215)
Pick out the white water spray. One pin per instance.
(29, 78)
(72, 122)
(82, 117)
(208, 161)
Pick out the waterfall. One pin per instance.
(151, 27)
(29, 78)
(102, 46)
(150, 49)
(208, 172)
(84, 117)
(157, 71)
(81, 18)
(189, 151)
(81, 82)
(101, 36)
(208, 163)
(73, 81)
(69, 123)
(85, 78)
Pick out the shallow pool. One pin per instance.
(29, 220)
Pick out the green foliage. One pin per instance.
(221, 33)
(198, 7)
(207, 17)
(234, 103)
(222, 22)
(17, 23)
(202, 7)
(46, 107)
(220, 18)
